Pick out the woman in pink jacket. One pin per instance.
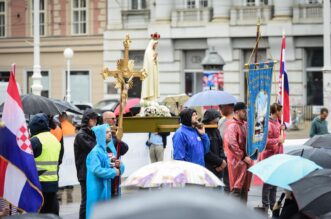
(274, 146)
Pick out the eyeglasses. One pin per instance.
(111, 118)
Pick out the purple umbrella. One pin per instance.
(210, 98)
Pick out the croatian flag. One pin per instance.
(19, 183)
(284, 92)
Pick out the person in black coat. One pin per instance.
(215, 159)
(83, 144)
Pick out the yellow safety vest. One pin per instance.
(49, 158)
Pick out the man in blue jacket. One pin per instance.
(190, 141)
(101, 168)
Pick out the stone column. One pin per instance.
(327, 59)
(221, 10)
(283, 9)
(163, 9)
(114, 18)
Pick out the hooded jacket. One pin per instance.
(83, 144)
(188, 144)
(38, 124)
(99, 171)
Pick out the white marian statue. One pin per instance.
(150, 91)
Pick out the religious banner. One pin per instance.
(259, 91)
(212, 80)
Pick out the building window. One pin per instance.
(193, 76)
(42, 16)
(79, 80)
(44, 83)
(2, 18)
(249, 58)
(4, 76)
(314, 76)
(138, 4)
(138, 57)
(196, 3)
(79, 15)
(256, 2)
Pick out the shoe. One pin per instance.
(261, 209)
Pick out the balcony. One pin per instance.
(137, 19)
(191, 17)
(243, 15)
(308, 13)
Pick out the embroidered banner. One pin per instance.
(259, 91)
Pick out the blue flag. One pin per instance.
(259, 91)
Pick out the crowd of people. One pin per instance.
(221, 149)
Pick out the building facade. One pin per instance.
(78, 24)
(190, 28)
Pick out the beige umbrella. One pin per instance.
(175, 102)
(171, 173)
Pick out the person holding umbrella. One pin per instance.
(274, 146)
(235, 145)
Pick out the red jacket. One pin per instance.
(235, 148)
(273, 145)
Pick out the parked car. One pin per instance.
(106, 105)
(83, 106)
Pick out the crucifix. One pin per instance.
(124, 75)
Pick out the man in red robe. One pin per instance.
(235, 148)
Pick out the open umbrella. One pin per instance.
(313, 192)
(175, 102)
(192, 203)
(320, 156)
(172, 173)
(320, 141)
(130, 103)
(210, 98)
(33, 104)
(64, 105)
(282, 169)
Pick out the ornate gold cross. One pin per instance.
(124, 76)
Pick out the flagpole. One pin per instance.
(282, 71)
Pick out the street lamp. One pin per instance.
(68, 54)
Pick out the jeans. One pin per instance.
(269, 195)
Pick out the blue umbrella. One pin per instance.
(283, 169)
(210, 98)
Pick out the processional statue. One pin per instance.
(150, 87)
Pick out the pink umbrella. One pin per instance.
(130, 103)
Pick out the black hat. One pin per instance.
(239, 106)
(210, 115)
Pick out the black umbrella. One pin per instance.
(173, 204)
(320, 156)
(66, 106)
(320, 141)
(313, 192)
(33, 104)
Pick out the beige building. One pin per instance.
(78, 24)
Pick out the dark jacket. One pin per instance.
(164, 136)
(215, 156)
(38, 124)
(83, 144)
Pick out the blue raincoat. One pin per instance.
(190, 146)
(99, 171)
